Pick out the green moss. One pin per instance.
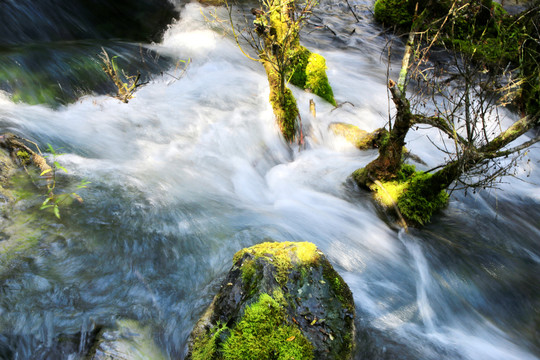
(286, 112)
(248, 271)
(299, 61)
(308, 71)
(280, 254)
(316, 78)
(412, 193)
(207, 346)
(393, 12)
(264, 333)
(23, 156)
(338, 286)
(413, 203)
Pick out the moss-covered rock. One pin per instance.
(278, 301)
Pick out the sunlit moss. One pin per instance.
(281, 254)
(316, 78)
(299, 60)
(411, 193)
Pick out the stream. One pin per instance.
(193, 169)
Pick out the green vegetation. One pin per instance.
(393, 13)
(411, 192)
(265, 333)
(482, 30)
(281, 255)
(316, 78)
(206, 346)
(277, 26)
(299, 59)
(286, 112)
(53, 200)
(126, 87)
(308, 71)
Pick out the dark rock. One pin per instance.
(291, 286)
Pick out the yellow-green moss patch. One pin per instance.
(316, 78)
(281, 254)
(410, 193)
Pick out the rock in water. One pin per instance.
(278, 301)
(130, 341)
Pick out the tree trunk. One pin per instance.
(387, 165)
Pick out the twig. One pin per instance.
(355, 16)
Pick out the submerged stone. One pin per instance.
(278, 301)
(129, 340)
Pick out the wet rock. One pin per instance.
(129, 340)
(279, 300)
(28, 21)
(7, 168)
(358, 137)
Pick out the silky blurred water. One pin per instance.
(194, 169)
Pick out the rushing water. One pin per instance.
(192, 170)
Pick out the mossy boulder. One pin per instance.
(278, 301)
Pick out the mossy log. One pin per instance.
(361, 139)
(278, 301)
(283, 104)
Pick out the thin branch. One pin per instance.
(349, 5)
(515, 149)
